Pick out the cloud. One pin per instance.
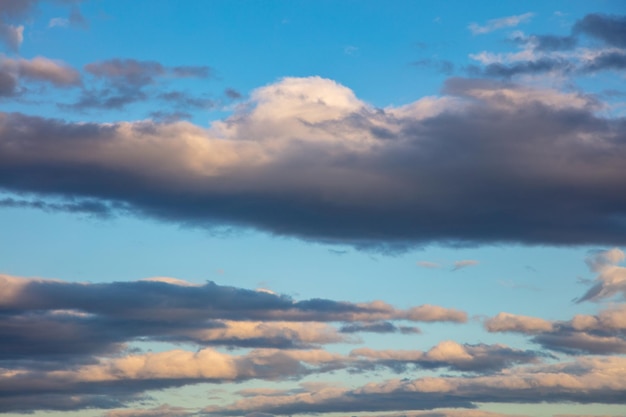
(38, 69)
(560, 56)
(368, 163)
(125, 81)
(601, 334)
(164, 410)
(378, 327)
(464, 264)
(11, 36)
(506, 322)
(428, 264)
(610, 29)
(503, 22)
(479, 358)
(112, 382)
(54, 320)
(611, 279)
(585, 380)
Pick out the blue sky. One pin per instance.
(267, 208)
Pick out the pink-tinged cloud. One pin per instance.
(611, 278)
(428, 264)
(41, 69)
(506, 322)
(464, 264)
(583, 380)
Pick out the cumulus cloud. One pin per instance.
(502, 22)
(348, 165)
(506, 322)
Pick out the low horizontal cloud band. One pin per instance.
(485, 162)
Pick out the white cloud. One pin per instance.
(503, 22)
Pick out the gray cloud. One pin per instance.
(127, 81)
(611, 29)
(377, 327)
(474, 166)
(52, 320)
(539, 66)
(14, 72)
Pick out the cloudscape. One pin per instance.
(291, 208)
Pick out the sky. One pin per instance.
(334, 208)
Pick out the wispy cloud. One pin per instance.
(500, 23)
(464, 264)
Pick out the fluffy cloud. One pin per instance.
(349, 165)
(506, 322)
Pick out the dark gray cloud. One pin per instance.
(54, 320)
(93, 207)
(480, 172)
(546, 43)
(376, 327)
(554, 43)
(126, 81)
(610, 29)
(542, 65)
(606, 61)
